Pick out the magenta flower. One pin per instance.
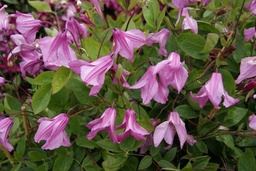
(5, 126)
(2, 80)
(105, 122)
(56, 51)
(161, 38)
(249, 33)
(168, 129)
(96, 4)
(4, 19)
(252, 122)
(247, 69)
(251, 6)
(126, 42)
(189, 23)
(27, 26)
(214, 90)
(132, 128)
(180, 3)
(53, 132)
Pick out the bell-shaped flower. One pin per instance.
(213, 90)
(96, 4)
(53, 132)
(105, 122)
(4, 19)
(189, 23)
(251, 6)
(2, 80)
(252, 122)
(168, 129)
(161, 38)
(5, 126)
(150, 87)
(249, 33)
(131, 127)
(247, 69)
(27, 26)
(56, 51)
(76, 30)
(126, 42)
(180, 3)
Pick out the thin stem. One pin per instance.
(7, 154)
(26, 124)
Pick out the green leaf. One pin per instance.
(166, 165)
(40, 6)
(127, 144)
(108, 145)
(207, 127)
(211, 41)
(113, 163)
(44, 78)
(202, 146)
(148, 16)
(11, 104)
(192, 44)
(234, 116)
(75, 124)
(92, 47)
(41, 98)
(84, 142)
(200, 162)
(37, 156)
(160, 18)
(247, 161)
(227, 139)
(170, 154)
(188, 167)
(228, 81)
(186, 111)
(43, 167)
(60, 79)
(144, 119)
(145, 162)
(64, 160)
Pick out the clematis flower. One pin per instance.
(249, 33)
(168, 129)
(93, 73)
(96, 4)
(189, 23)
(5, 126)
(251, 6)
(161, 38)
(77, 30)
(4, 19)
(53, 132)
(27, 26)
(214, 90)
(105, 122)
(132, 128)
(126, 42)
(252, 122)
(180, 3)
(56, 51)
(2, 80)
(247, 69)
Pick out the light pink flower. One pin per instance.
(161, 38)
(168, 129)
(247, 69)
(251, 6)
(105, 122)
(213, 90)
(2, 80)
(126, 42)
(252, 122)
(4, 19)
(180, 3)
(93, 73)
(5, 126)
(27, 26)
(53, 132)
(250, 33)
(132, 128)
(56, 51)
(189, 23)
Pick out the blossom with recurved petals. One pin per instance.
(5, 126)
(4, 19)
(105, 122)
(132, 128)
(252, 122)
(2, 80)
(249, 33)
(53, 132)
(251, 6)
(247, 69)
(213, 90)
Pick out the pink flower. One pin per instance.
(252, 122)
(247, 69)
(249, 33)
(56, 51)
(251, 6)
(132, 128)
(27, 26)
(105, 122)
(96, 4)
(125, 42)
(93, 73)
(53, 132)
(4, 19)
(2, 80)
(5, 126)
(168, 129)
(189, 23)
(161, 38)
(205, 2)
(214, 90)
(180, 3)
